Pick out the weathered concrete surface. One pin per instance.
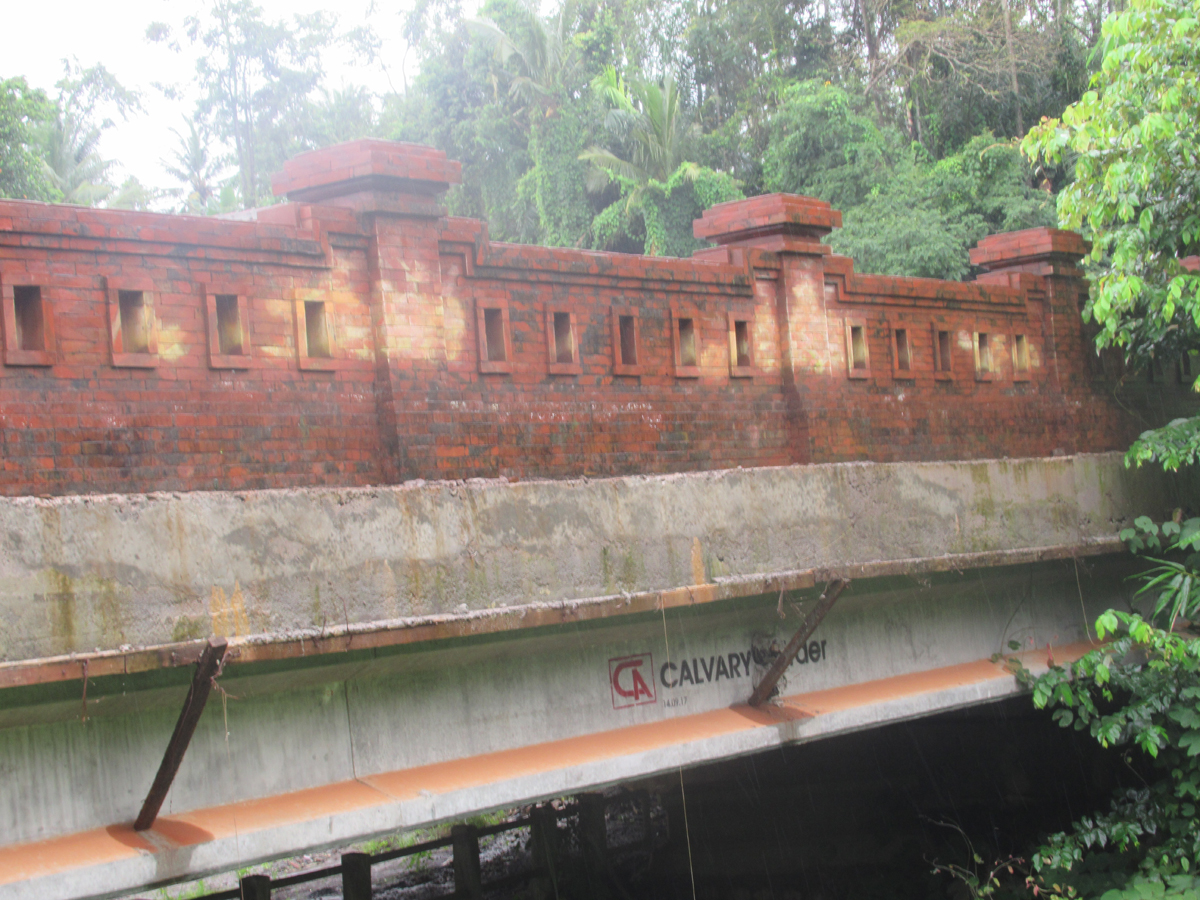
(106, 572)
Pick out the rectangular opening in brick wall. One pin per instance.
(903, 352)
(942, 354)
(27, 312)
(629, 343)
(28, 327)
(564, 341)
(493, 334)
(858, 358)
(741, 345)
(494, 339)
(687, 342)
(626, 342)
(984, 369)
(135, 325)
(316, 330)
(230, 340)
(1020, 358)
(228, 319)
(561, 345)
(741, 341)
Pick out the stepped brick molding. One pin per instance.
(356, 335)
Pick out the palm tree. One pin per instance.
(194, 168)
(547, 69)
(70, 141)
(546, 58)
(650, 117)
(72, 162)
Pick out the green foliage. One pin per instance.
(132, 194)
(669, 209)
(903, 212)
(1135, 138)
(258, 81)
(69, 140)
(194, 166)
(1175, 444)
(824, 144)
(22, 111)
(1141, 691)
(977, 878)
(1172, 581)
(649, 119)
(559, 177)
(929, 214)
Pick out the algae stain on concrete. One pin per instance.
(63, 612)
(189, 628)
(229, 617)
(318, 619)
(108, 606)
(698, 575)
(629, 571)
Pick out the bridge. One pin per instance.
(471, 525)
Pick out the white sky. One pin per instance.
(39, 37)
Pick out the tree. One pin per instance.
(132, 194)
(257, 78)
(824, 143)
(661, 191)
(542, 63)
(649, 118)
(984, 66)
(1140, 692)
(927, 215)
(195, 168)
(1135, 142)
(22, 111)
(70, 139)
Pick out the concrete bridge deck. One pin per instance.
(407, 655)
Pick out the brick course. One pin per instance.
(404, 392)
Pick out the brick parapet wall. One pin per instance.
(406, 387)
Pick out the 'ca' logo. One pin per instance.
(632, 680)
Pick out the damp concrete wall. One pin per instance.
(117, 571)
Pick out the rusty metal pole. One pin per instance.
(832, 591)
(185, 727)
(468, 876)
(356, 876)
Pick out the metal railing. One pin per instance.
(355, 868)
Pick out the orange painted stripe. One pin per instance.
(105, 845)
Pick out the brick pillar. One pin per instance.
(1044, 263)
(791, 227)
(393, 188)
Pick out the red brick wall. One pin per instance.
(404, 394)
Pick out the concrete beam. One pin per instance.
(107, 574)
(112, 861)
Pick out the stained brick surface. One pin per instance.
(403, 393)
